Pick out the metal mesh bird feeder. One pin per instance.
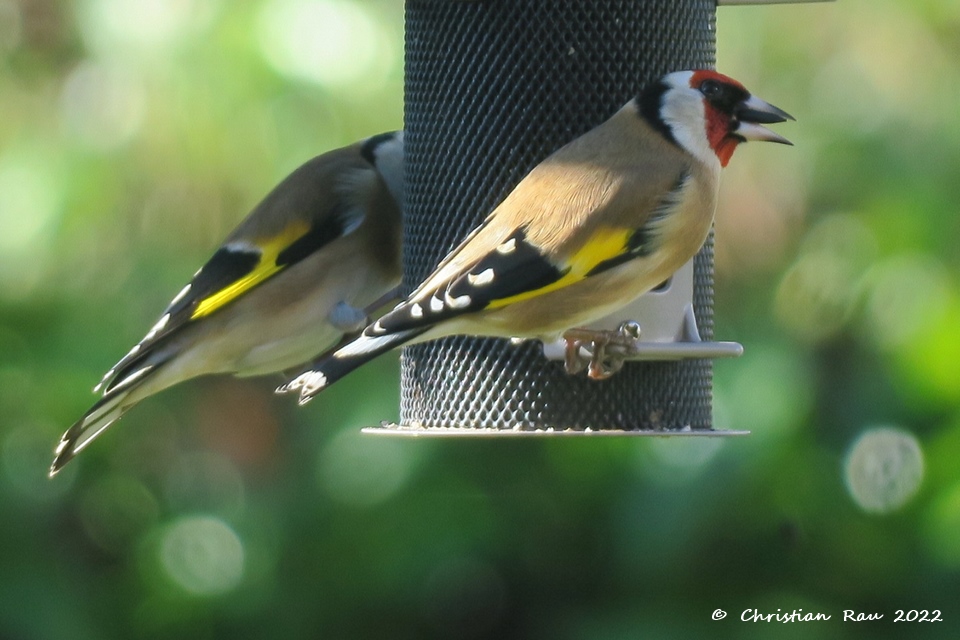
(492, 88)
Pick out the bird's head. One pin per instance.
(708, 113)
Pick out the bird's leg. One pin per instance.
(602, 366)
(608, 349)
(573, 362)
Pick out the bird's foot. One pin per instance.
(608, 349)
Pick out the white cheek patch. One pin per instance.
(683, 111)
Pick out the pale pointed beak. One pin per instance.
(752, 113)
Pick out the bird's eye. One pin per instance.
(710, 88)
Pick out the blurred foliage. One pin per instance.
(133, 135)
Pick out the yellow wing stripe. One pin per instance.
(605, 244)
(269, 251)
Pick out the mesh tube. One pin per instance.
(492, 88)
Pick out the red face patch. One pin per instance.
(718, 130)
(717, 122)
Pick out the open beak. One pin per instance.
(752, 113)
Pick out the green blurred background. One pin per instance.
(134, 135)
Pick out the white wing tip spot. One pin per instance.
(183, 292)
(507, 247)
(133, 377)
(309, 384)
(460, 302)
(64, 443)
(483, 278)
(157, 328)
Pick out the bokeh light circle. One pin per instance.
(331, 42)
(884, 469)
(203, 555)
(362, 471)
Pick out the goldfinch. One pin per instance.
(601, 221)
(305, 267)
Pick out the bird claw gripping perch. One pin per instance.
(608, 349)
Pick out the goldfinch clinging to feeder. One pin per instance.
(303, 269)
(601, 221)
